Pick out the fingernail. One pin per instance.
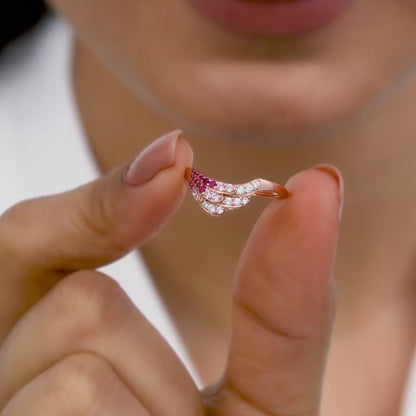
(159, 155)
(336, 174)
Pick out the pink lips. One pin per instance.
(272, 17)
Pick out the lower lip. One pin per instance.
(272, 17)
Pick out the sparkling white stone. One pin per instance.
(213, 196)
(256, 183)
(237, 201)
(197, 196)
(249, 189)
(230, 188)
(220, 186)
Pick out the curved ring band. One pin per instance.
(217, 198)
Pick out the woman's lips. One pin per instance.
(271, 17)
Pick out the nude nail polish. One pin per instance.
(159, 155)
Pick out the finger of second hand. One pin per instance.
(80, 384)
(283, 305)
(89, 312)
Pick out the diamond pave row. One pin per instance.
(217, 198)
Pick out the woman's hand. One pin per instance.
(72, 343)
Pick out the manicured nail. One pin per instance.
(336, 174)
(159, 155)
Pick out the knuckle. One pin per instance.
(89, 302)
(16, 214)
(100, 216)
(80, 380)
(14, 223)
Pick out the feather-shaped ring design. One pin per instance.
(216, 198)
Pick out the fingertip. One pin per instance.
(317, 183)
(306, 223)
(337, 175)
(330, 171)
(184, 156)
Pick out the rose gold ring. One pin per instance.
(217, 198)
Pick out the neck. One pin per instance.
(375, 156)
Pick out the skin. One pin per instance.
(246, 108)
(83, 348)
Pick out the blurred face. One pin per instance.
(262, 70)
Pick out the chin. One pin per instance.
(263, 105)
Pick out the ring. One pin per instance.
(216, 198)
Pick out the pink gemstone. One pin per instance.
(213, 184)
(206, 181)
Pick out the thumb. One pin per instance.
(104, 219)
(283, 303)
(92, 225)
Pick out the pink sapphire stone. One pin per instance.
(201, 182)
